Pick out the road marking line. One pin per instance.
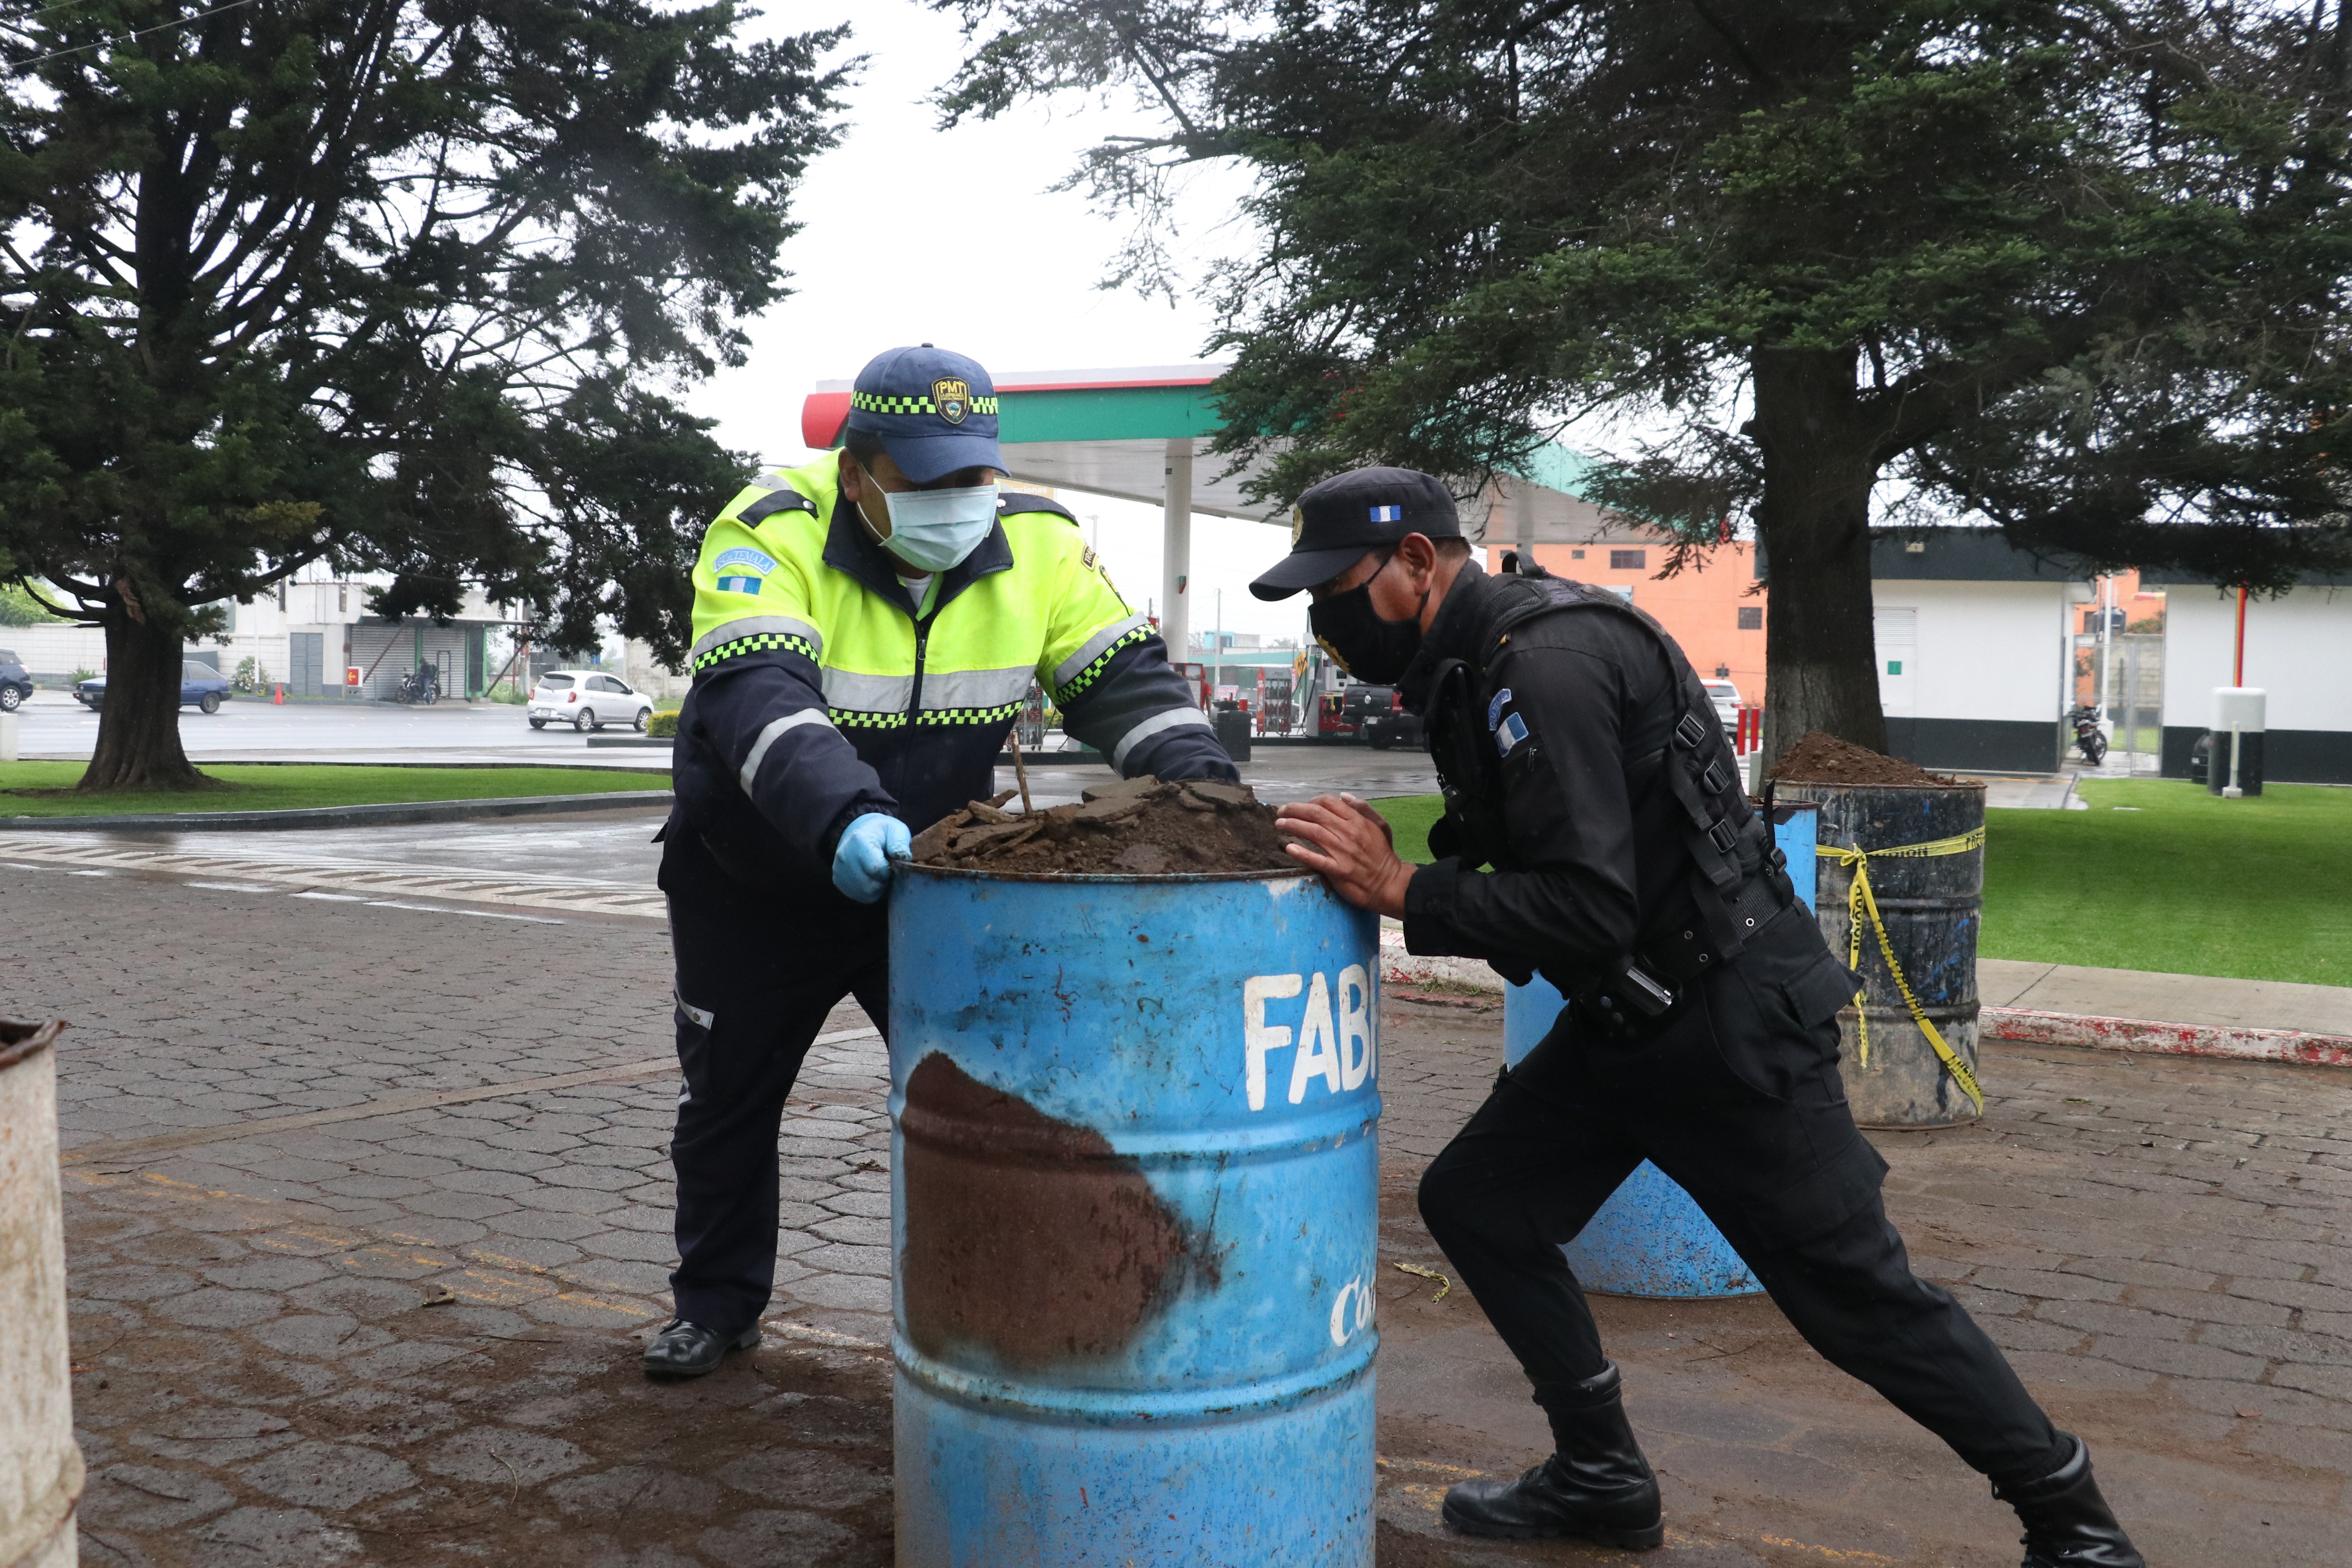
(452, 883)
(438, 910)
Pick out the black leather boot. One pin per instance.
(2067, 1523)
(1596, 1486)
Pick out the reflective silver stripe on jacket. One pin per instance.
(976, 688)
(859, 693)
(1070, 668)
(752, 625)
(1175, 718)
(776, 727)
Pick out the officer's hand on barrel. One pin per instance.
(861, 863)
(1352, 846)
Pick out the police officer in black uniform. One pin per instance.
(1581, 759)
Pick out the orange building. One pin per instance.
(1714, 606)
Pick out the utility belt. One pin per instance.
(1634, 1000)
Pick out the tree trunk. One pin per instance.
(1813, 524)
(138, 727)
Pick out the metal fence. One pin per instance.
(2133, 692)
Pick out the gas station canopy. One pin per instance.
(1103, 431)
(1131, 434)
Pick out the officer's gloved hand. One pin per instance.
(861, 862)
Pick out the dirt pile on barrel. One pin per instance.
(1134, 826)
(1818, 758)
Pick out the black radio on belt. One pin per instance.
(1631, 995)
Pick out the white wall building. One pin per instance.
(55, 651)
(1975, 645)
(2298, 650)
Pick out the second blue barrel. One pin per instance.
(1136, 1184)
(1650, 1238)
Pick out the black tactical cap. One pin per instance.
(1337, 521)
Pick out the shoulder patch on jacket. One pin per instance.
(1009, 502)
(783, 500)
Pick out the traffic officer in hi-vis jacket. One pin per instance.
(1583, 762)
(865, 631)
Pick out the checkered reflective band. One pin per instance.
(892, 402)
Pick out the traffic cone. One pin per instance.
(280, 699)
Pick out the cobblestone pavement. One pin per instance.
(369, 1212)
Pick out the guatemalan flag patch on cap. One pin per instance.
(1387, 514)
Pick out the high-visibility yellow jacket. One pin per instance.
(822, 692)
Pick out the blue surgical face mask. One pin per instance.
(931, 531)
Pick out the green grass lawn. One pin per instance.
(2158, 875)
(1410, 815)
(304, 784)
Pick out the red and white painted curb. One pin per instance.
(1401, 968)
(2029, 1026)
(2168, 1039)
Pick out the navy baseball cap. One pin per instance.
(935, 411)
(1335, 523)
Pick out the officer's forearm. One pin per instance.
(1541, 917)
(770, 735)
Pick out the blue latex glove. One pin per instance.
(861, 862)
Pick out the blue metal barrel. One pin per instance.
(1136, 1182)
(1650, 1238)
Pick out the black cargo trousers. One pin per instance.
(756, 975)
(1739, 1101)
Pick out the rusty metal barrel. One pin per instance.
(40, 1466)
(1134, 1175)
(1902, 888)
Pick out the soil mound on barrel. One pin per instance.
(1133, 826)
(1818, 758)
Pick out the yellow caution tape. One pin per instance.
(1444, 1284)
(1858, 899)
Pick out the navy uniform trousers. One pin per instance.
(755, 980)
(1741, 1103)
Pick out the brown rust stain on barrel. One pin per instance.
(1026, 1235)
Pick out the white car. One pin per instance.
(587, 699)
(1726, 698)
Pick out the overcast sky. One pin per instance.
(915, 235)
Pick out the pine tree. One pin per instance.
(398, 285)
(2073, 267)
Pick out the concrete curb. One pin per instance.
(2244, 1043)
(390, 813)
(2026, 1025)
(1399, 967)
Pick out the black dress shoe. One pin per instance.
(689, 1350)
(2067, 1523)
(1597, 1488)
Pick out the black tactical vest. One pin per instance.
(1735, 879)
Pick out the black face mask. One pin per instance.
(1368, 645)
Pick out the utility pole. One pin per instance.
(2107, 633)
(1219, 678)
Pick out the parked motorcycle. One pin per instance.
(422, 685)
(2088, 736)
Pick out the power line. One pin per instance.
(23, 66)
